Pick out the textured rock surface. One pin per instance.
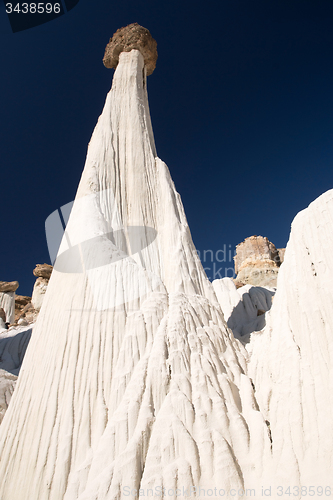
(38, 293)
(27, 315)
(132, 378)
(243, 308)
(21, 301)
(281, 252)
(9, 286)
(7, 303)
(43, 271)
(292, 359)
(255, 249)
(131, 37)
(13, 344)
(264, 274)
(257, 262)
(2, 315)
(7, 386)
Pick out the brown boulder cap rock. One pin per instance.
(43, 271)
(131, 37)
(8, 286)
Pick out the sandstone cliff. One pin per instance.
(257, 262)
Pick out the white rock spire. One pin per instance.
(132, 379)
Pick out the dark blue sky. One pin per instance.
(241, 103)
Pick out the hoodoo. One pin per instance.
(132, 380)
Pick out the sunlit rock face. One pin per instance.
(132, 378)
(43, 273)
(257, 262)
(291, 360)
(7, 303)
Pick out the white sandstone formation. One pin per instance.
(7, 386)
(243, 308)
(43, 273)
(38, 293)
(7, 299)
(13, 344)
(132, 378)
(7, 303)
(292, 359)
